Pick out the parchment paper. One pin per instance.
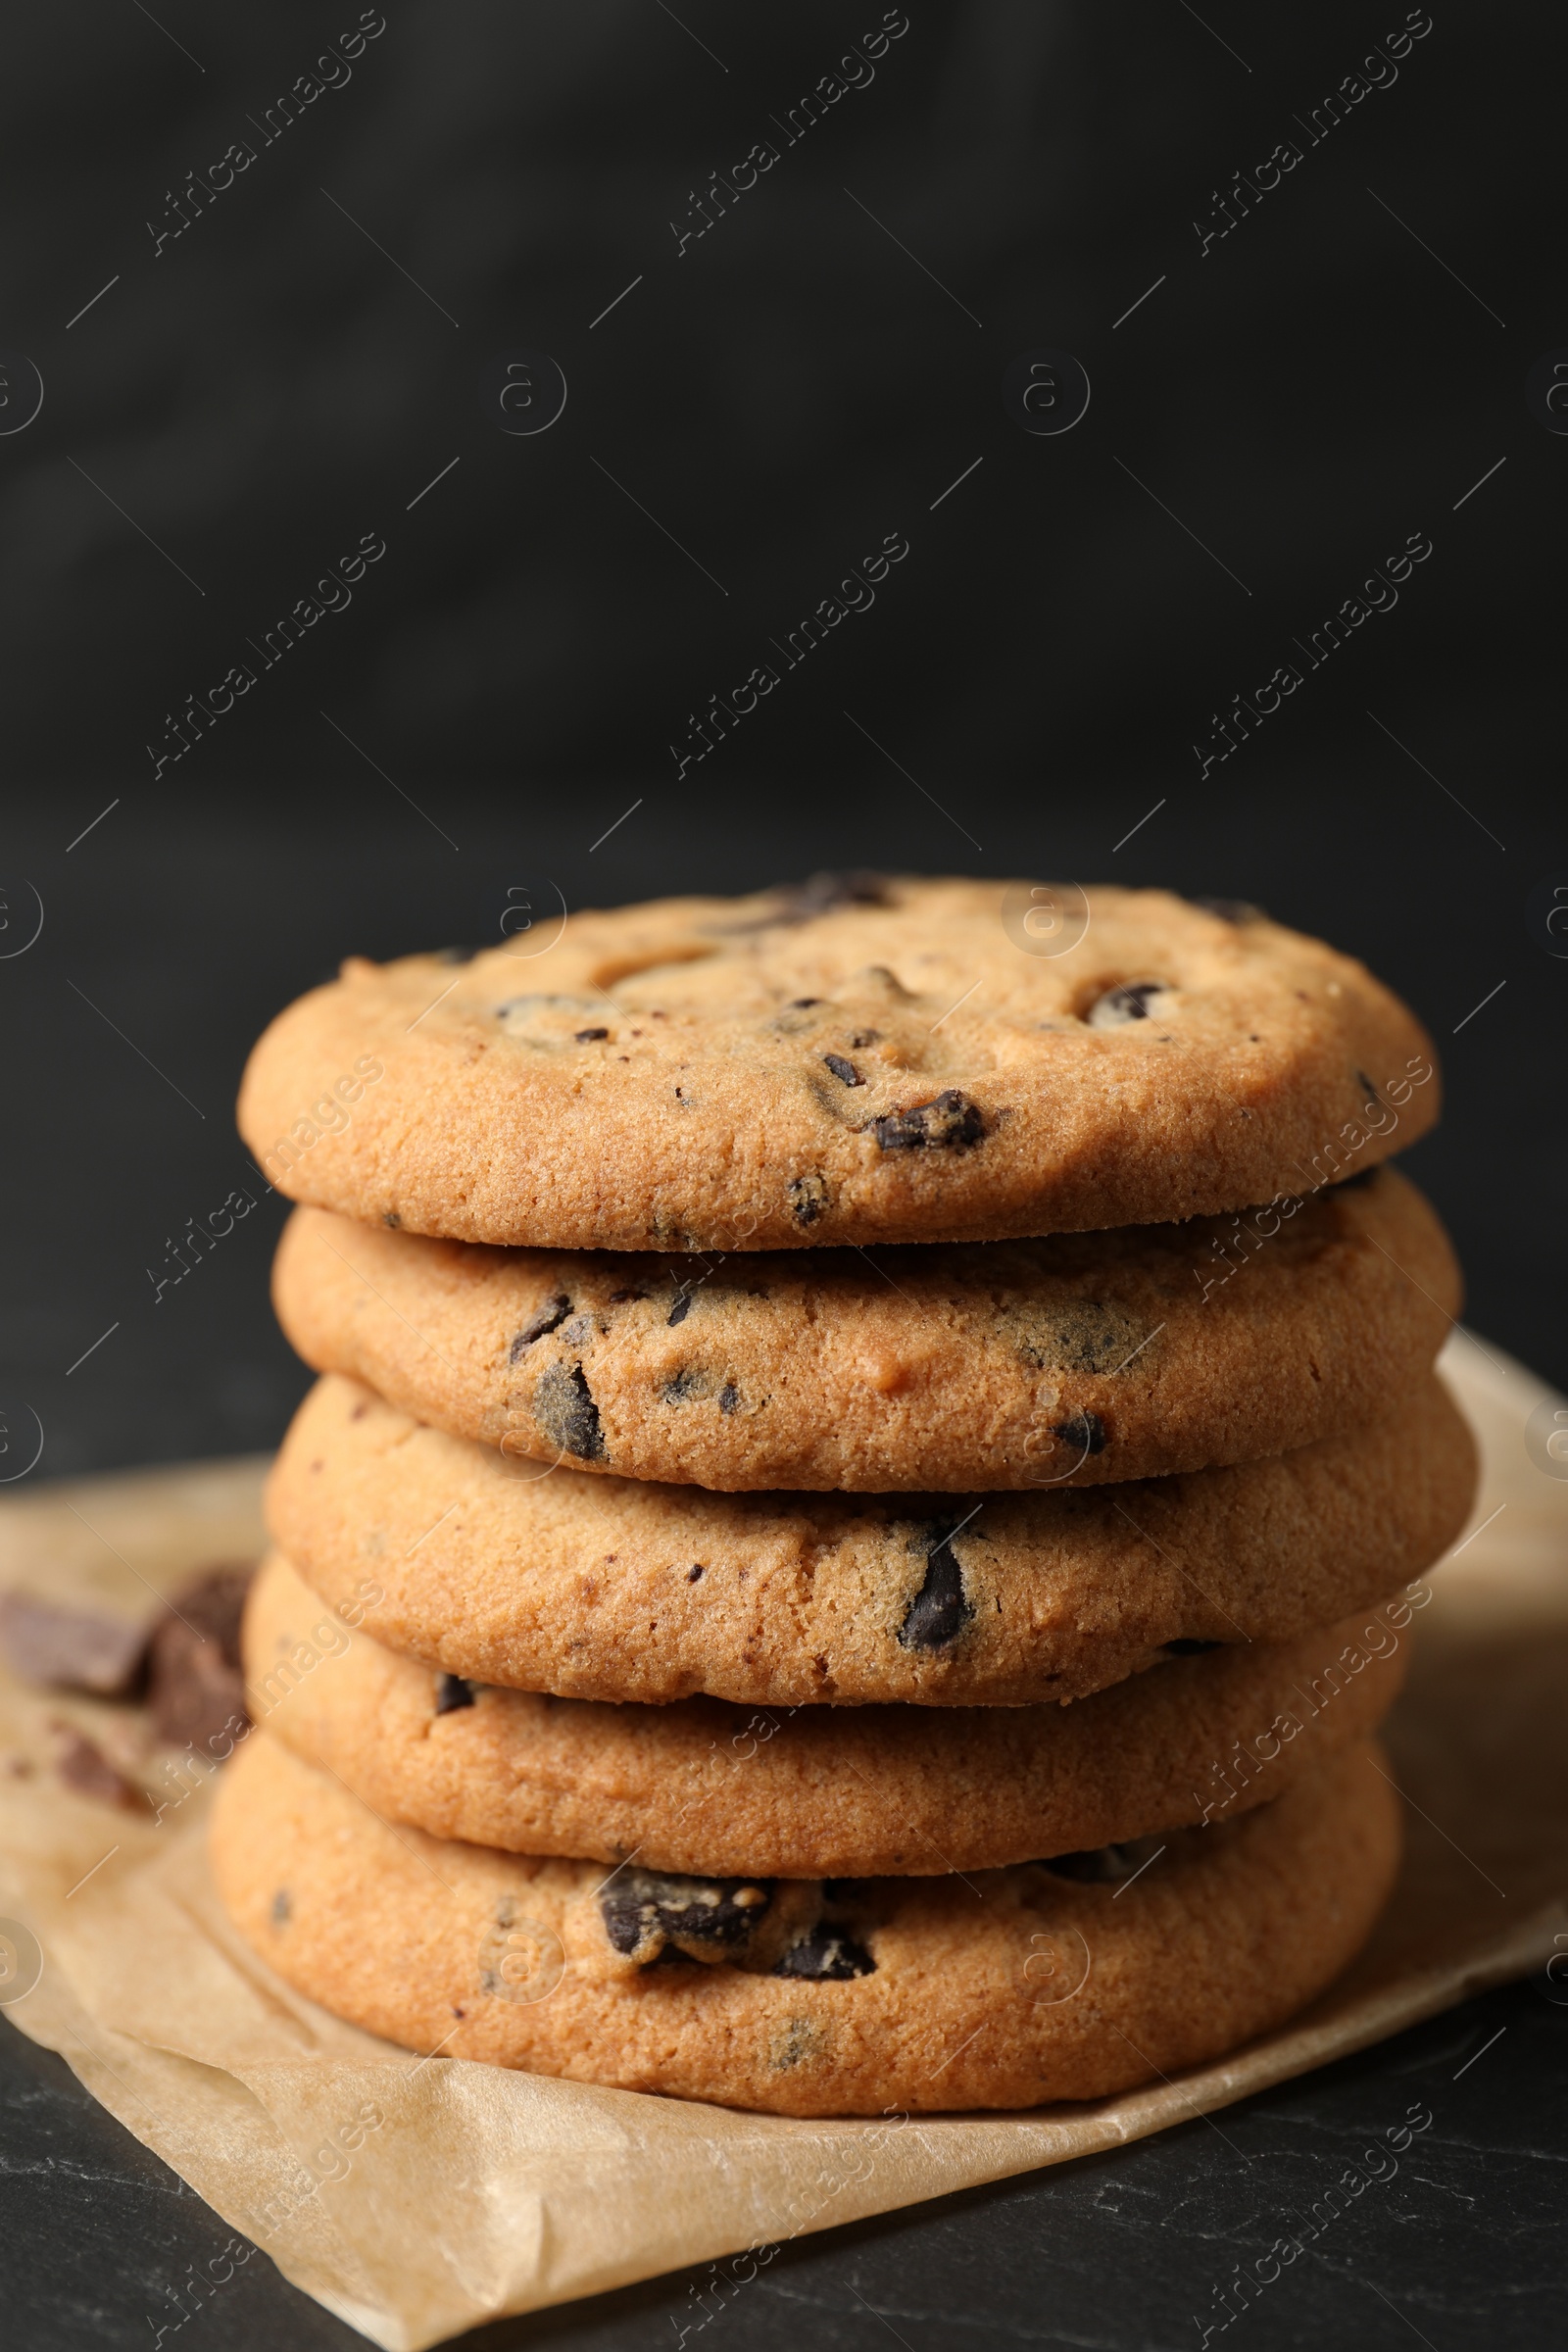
(474, 2192)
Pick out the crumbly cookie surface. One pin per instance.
(845, 1998)
(1081, 1358)
(506, 1571)
(880, 1059)
(813, 1791)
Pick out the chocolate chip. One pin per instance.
(938, 1611)
(195, 1684)
(283, 1907)
(1124, 1004)
(692, 1574)
(729, 1397)
(1188, 1648)
(624, 1298)
(798, 902)
(546, 1318)
(390, 1217)
(949, 1121)
(1103, 1865)
(866, 1037)
(564, 1409)
(685, 1294)
(841, 1070)
(75, 1649)
(681, 1384)
(452, 1692)
(826, 1956)
(803, 1003)
(808, 1198)
(586, 1037)
(1085, 1337)
(83, 1766)
(1085, 1431)
(646, 1911)
(1231, 910)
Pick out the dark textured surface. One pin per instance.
(1463, 2244)
(1341, 370)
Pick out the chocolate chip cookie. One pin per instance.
(1063, 1978)
(506, 1571)
(888, 1060)
(813, 1791)
(1082, 1358)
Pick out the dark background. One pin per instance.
(231, 416)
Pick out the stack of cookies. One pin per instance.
(875, 1450)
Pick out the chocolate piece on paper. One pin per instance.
(196, 1685)
(82, 1765)
(73, 1650)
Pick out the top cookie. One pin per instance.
(857, 1060)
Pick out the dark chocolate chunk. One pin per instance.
(564, 1409)
(1105, 1865)
(75, 1649)
(866, 1037)
(681, 1384)
(646, 1911)
(940, 1610)
(949, 1121)
(1085, 1431)
(692, 1574)
(283, 1907)
(546, 1318)
(195, 1683)
(807, 1196)
(798, 902)
(82, 1765)
(1190, 1647)
(826, 1956)
(803, 1003)
(841, 1070)
(1124, 1004)
(684, 1295)
(729, 1397)
(586, 1037)
(1231, 910)
(452, 1692)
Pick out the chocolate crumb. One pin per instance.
(82, 1765)
(587, 1036)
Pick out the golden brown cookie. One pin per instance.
(853, 1997)
(603, 1587)
(813, 1791)
(1082, 1358)
(884, 1059)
